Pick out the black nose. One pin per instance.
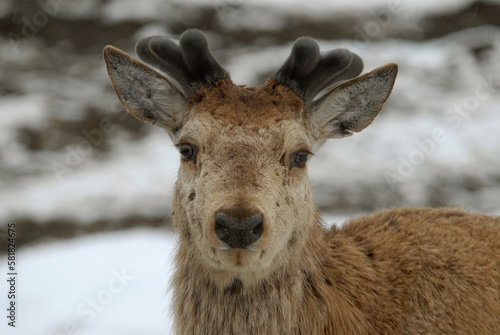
(238, 233)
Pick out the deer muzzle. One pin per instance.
(237, 232)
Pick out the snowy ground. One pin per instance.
(100, 284)
(72, 161)
(103, 284)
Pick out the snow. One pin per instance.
(435, 142)
(112, 189)
(103, 284)
(117, 10)
(437, 81)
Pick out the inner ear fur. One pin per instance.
(352, 106)
(145, 93)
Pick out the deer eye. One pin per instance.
(187, 152)
(299, 159)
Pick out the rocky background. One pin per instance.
(72, 161)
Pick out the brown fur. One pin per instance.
(256, 107)
(400, 271)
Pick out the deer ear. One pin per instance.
(351, 106)
(145, 93)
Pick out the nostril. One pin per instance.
(256, 226)
(222, 223)
(238, 233)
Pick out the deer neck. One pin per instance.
(269, 305)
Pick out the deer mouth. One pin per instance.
(238, 258)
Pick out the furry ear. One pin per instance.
(146, 94)
(351, 106)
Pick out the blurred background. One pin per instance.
(89, 187)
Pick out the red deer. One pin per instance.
(254, 256)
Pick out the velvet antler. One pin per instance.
(307, 71)
(348, 105)
(188, 61)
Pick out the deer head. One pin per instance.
(242, 199)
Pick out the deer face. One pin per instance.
(242, 197)
(242, 182)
